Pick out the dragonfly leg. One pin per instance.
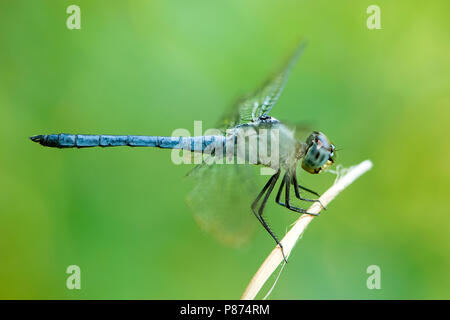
(277, 199)
(267, 190)
(297, 192)
(263, 190)
(309, 190)
(286, 181)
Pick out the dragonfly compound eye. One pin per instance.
(319, 154)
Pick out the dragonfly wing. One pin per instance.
(259, 102)
(301, 130)
(220, 201)
(222, 194)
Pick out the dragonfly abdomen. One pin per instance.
(63, 140)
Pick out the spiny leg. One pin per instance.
(259, 213)
(309, 190)
(297, 192)
(280, 190)
(277, 199)
(288, 198)
(286, 181)
(263, 191)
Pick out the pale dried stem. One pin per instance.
(275, 257)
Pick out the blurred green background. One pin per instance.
(149, 67)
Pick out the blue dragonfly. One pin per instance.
(223, 194)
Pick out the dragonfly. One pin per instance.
(222, 193)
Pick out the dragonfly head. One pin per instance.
(319, 154)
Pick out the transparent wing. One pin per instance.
(302, 130)
(260, 102)
(221, 196)
(220, 201)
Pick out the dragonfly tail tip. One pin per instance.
(37, 138)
